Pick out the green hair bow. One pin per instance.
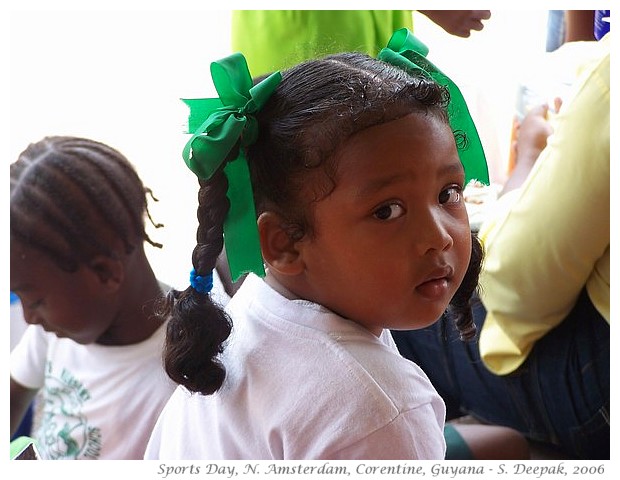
(405, 51)
(218, 125)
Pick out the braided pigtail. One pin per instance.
(215, 153)
(198, 327)
(460, 305)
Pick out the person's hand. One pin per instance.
(532, 134)
(531, 139)
(458, 22)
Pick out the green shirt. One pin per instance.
(278, 39)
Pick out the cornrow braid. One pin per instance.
(198, 327)
(68, 194)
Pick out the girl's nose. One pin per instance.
(432, 234)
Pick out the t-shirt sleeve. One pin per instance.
(413, 435)
(27, 364)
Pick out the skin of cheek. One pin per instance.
(67, 302)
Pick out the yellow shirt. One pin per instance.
(549, 238)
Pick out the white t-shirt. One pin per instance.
(97, 402)
(303, 383)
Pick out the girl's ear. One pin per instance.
(108, 272)
(279, 250)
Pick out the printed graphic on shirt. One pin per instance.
(64, 432)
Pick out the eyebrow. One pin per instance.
(455, 168)
(377, 185)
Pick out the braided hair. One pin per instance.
(198, 327)
(68, 194)
(317, 106)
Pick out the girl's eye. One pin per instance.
(451, 195)
(389, 212)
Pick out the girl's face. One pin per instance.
(392, 241)
(71, 305)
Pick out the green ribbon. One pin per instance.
(406, 51)
(217, 126)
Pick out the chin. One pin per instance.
(80, 340)
(431, 314)
(418, 322)
(430, 321)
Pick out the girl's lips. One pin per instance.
(436, 285)
(435, 289)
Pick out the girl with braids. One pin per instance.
(93, 346)
(357, 185)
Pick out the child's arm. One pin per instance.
(21, 397)
(416, 434)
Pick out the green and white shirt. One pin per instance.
(95, 401)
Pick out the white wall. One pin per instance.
(117, 77)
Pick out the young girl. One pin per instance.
(362, 226)
(93, 347)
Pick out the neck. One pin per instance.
(136, 319)
(273, 281)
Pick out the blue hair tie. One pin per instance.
(201, 283)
